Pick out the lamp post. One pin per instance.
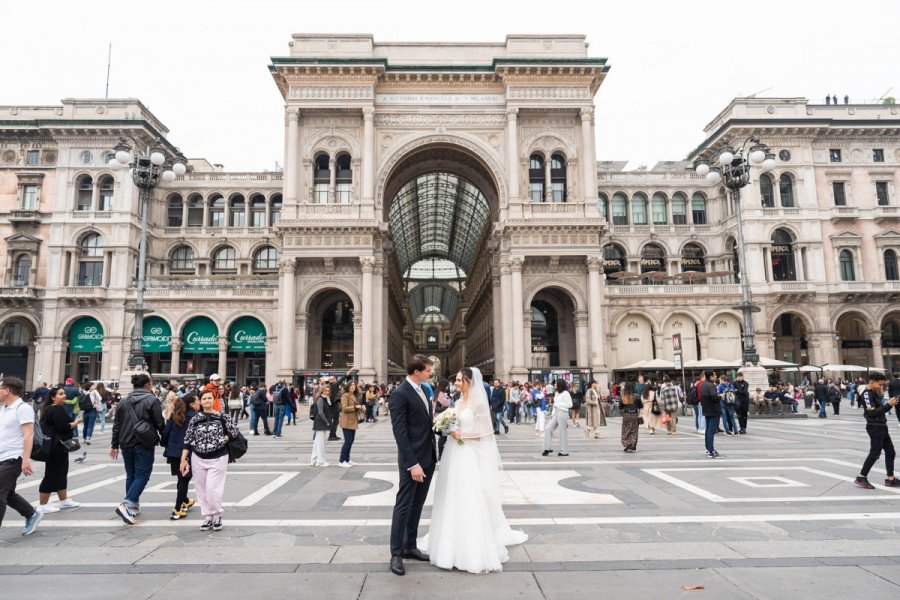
(733, 168)
(146, 171)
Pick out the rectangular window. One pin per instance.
(835, 154)
(620, 214)
(659, 213)
(840, 198)
(536, 191)
(679, 213)
(258, 218)
(881, 193)
(90, 273)
(238, 218)
(878, 155)
(32, 158)
(195, 216)
(217, 218)
(559, 191)
(105, 200)
(321, 193)
(29, 197)
(343, 193)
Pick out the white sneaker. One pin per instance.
(47, 508)
(345, 465)
(323, 464)
(350, 463)
(68, 503)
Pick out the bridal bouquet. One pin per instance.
(447, 422)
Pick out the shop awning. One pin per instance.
(157, 335)
(247, 334)
(200, 336)
(86, 336)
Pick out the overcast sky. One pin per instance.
(200, 65)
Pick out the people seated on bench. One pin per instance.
(771, 400)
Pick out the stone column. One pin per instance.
(506, 334)
(367, 264)
(548, 184)
(287, 291)
(516, 265)
(223, 356)
(73, 268)
(291, 162)
(379, 321)
(357, 339)
(332, 179)
(176, 354)
(588, 163)
(512, 153)
(595, 314)
(368, 157)
(95, 196)
(581, 338)
(184, 211)
(302, 336)
(499, 323)
(877, 350)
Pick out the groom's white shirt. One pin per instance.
(421, 393)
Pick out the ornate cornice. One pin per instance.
(435, 120)
(331, 92)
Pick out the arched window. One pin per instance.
(603, 204)
(257, 211)
(698, 209)
(265, 260)
(90, 263)
(693, 258)
(786, 187)
(545, 331)
(766, 194)
(216, 211)
(22, 270)
(653, 259)
(782, 251)
(613, 259)
(182, 259)
(337, 335)
(536, 178)
(174, 210)
(432, 341)
(845, 260)
(558, 177)
(107, 185)
(225, 260)
(237, 216)
(890, 266)
(639, 209)
(321, 179)
(620, 209)
(274, 209)
(344, 179)
(195, 210)
(679, 209)
(84, 191)
(659, 209)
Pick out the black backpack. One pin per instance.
(84, 401)
(692, 398)
(313, 410)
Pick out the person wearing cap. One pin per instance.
(712, 411)
(215, 380)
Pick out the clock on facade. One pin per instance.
(784, 155)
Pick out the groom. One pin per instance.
(416, 457)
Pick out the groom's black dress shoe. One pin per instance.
(546, 452)
(561, 454)
(415, 554)
(397, 565)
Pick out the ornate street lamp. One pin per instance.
(733, 168)
(146, 171)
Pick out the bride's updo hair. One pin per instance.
(466, 372)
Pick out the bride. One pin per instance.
(468, 530)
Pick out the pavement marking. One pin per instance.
(516, 488)
(779, 482)
(37, 482)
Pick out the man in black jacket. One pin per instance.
(742, 401)
(411, 421)
(821, 391)
(876, 426)
(260, 401)
(712, 411)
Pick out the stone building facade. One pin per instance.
(444, 198)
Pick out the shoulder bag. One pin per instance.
(144, 432)
(237, 446)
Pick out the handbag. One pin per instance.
(640, 420)
(144, 432)
(237, 446)
(665, 419)
(71, 445)
(655, 409)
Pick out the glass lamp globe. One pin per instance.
(757, 157)
(115, 165)
(713, 177)
(768, 164)
(168, 175)
(702, 169)
(157, 158)
(725, 158)
(179, 168)
(123, 156)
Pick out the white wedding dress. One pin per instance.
(468, 529)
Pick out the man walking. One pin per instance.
(260, 410)
(821, 391)
(894, 390)
(16, 438)
(712, 412)
(742, 401)
(875, 413)
(498, 402)
(668, 393)
(282, 400)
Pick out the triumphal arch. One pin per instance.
(440, 198)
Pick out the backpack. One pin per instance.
(313, 410)
(729, 397)
(40, 444)
(692, 398)
(84, 402)
(277, 396)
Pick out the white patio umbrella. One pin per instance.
(634, 366)
(809, 369)
(712, 363)
(773, 363)
(658, 364)
(845, 368)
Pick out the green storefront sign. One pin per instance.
(86, 336)
(157, 335)
(200, 336)
(247, 334)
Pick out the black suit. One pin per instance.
(411, 421)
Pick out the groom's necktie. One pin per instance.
(424, 397)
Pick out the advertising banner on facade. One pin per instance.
(157, 335)
(247, 334)
(200, 336)
(86, 336)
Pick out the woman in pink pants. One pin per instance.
(206, 442)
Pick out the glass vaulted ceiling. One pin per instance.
(437, 221)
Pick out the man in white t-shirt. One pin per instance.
(16, 437)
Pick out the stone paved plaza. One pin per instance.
(776, 517)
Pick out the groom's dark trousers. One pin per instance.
(411, 424)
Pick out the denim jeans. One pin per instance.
(101, 415)
(712, 425)
(699, 419)
(822, 404)
(499, 420)
(349, 436)
(89, 419)
(728, 422)
(255, 417)
(279, 418)
(252, 418)
(138, 467)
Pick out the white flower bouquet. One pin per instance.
(447, 422)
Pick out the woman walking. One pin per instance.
(594, 418)
(235, 404)
(170, 405)
(540, 409)
(651, 411)
(183, 411)
(562, 403)
(349, 421)
(371, 400)
(321, 426)
(59, 426)
(631, 419)
(206, 443)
